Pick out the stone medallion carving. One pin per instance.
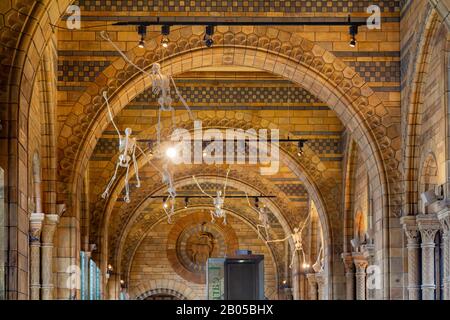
(194, 239)
(199, 242)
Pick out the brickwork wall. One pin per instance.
(432, 134)
(150, 261)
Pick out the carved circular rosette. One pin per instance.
(194, 239)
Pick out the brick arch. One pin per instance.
(278, 265)
(308, 168)
(412, 120)
(157, 291)
(145, 287)
(313, 170)
(153, 186)
(269, 49)
(121, 250)
(24, 36)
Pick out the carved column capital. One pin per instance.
(428, 225)
(349, 265)
(411, 230)
(50, 223)
(36, 220)
(444, 219)
(360, 262)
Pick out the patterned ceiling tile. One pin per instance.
(260, 6)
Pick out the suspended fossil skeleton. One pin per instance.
(298, 242)
(169, 202)
(218, 200)
(263, 218)
(161, 86)
(318, 265)
(127, 156)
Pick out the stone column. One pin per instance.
(320, 279)
(360, 264)
(368, 251)
(35, 254)
(428, 227)
(444, 218)
(412, 236)
(51, 221)
(312, 284)
(349, 276)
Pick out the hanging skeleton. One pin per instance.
(127, 156)
(218, 201)
(263, 218)
(169, 203)
(298, 243)
(161, 86)
(318, 265)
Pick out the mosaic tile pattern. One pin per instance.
(80, 71)
(325, 146)
(239, 95)
(286, 6)
(293, 189)
(378, 71)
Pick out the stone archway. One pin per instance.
(297, 60)
(153, 286)
(161, 294)
(124, 252)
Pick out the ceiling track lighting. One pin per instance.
(142, 32)
(353, 31)
(209, 32)
(165, 31)
(301, 145)
(212, 22)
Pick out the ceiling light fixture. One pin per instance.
(353, 32)
(209, 32)
(301, 145)
(165, 31)
(186, 202)
(142, 31)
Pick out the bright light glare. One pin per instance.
(171, 152)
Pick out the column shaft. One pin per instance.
(51, 221)
(349, 276)
(312, 284)
(428, 226)
(360, 275)
(412, 235)
(35, 254)
(444, 218)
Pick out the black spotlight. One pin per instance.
(142, 31)
(165, 31)
(186, 202)
(208, 36)
(256, 202)
(353, 32)
(301, 144)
